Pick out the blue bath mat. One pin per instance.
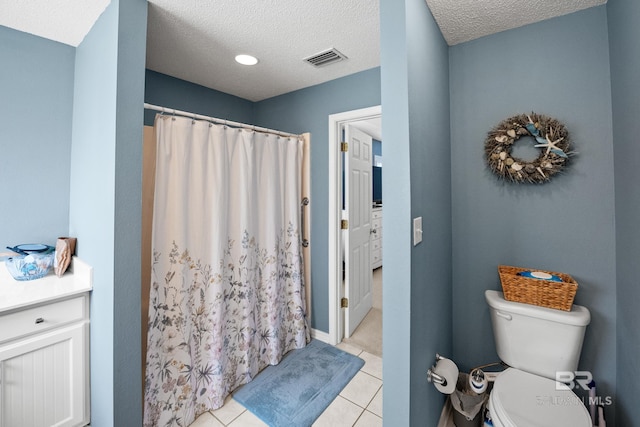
(296, 391)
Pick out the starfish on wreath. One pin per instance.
(552, 147)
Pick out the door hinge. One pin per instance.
(344, 224)
(344, 147)
(344, 303)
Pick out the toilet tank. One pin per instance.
(536, 339)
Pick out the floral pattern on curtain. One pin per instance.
(227, 296)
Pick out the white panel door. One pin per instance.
(358, 188)
(42, 379)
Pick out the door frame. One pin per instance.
(334, 273)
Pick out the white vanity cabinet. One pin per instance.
(44, 353)
(376, 238)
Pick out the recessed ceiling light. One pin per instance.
(246, 59)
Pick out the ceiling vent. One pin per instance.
(325, 58)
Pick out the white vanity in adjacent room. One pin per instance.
(44, 349)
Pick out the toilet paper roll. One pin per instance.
(449, 371)
(478, 381)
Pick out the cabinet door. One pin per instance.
(41, 379)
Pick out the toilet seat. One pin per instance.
(521, 399)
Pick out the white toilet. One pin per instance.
(536, 342)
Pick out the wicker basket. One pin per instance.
(544, 293)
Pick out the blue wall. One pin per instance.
(560, 68)
(73, 133)
(624, 33)
(132, 42)
(376, 149)
(396, 274)
(36, 86)
(167, 91)
(92, 195)
(431, 327)
(105, 208)
(415, 125)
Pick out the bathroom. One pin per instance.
(434, 301)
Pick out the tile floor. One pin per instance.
(358, 405)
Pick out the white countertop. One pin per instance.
(16, 294)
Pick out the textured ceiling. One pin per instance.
(196, 40)
(65, 21)
(465, 20)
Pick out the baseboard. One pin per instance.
(321, 336)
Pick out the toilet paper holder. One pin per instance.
(432, 377)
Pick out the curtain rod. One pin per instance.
(216, 120)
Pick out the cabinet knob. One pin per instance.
(39, 320)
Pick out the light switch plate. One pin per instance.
(417, 230)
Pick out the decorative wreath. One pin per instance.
(550, 136)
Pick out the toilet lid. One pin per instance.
(522, 399)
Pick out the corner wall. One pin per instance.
(559, 67)
(624, 33)
(132, 43)
(105, 202)
(415, 123)
(92, 205)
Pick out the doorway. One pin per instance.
(366, 120)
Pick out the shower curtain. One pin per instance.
(227, 295)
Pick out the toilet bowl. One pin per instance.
(521, 399)
(536, 342)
